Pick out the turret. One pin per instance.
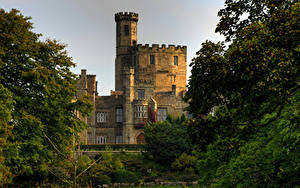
(126, 31)
(126, 37)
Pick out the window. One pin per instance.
(101, 139)
(161, 114)
(126, 30)
(119, 115)
(173, 89)
(89, 136)
(140, 112)
(152, 60)
(101, 117)
(141, 94)
(134, 60)
(176, 60)
(119, 139)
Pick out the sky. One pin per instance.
(88, 28)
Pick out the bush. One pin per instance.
(186, 163)
(99, 179)
(125, 176)
(188, 178)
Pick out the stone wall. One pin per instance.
(163, 73)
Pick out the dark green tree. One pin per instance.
(38, 76)
(167, 140)
(6, 107)
(240, 96)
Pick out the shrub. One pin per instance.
(125, 176)
(188, 178)
(186, 163)
(99, 179)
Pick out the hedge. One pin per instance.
(114, 147)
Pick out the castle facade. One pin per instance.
(150, 82)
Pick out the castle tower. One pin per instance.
(126, 38)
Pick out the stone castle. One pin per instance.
(150, 82)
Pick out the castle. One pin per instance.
(150, 82)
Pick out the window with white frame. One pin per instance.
(161, 114)
(101, 117)
(119, 115)
(140, 111)
(101, 139)
(119, 140)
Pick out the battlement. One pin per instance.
(126, 16)
(161, 48)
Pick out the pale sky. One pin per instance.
(88, 28)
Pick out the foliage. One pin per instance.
(6, 107)
(125, 176)
(252, 85)
(238, 14)
(186, 163)
(271, 155)
(98, 179)
(38, 76)
(167, 140)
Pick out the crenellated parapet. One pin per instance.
(126, 16)
(161, 48)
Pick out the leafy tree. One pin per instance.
(6, 107)
(238, 14)
(251, 84)
(270, 158)
(254, 76)
(167, 140)
(38, 75)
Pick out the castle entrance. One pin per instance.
(140, 139)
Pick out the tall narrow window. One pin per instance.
(173, 89)
(101, 139)
(161, 114)
(119, 115)
(126, 30)
(119, 139)
(90, 136)
(141, 94)
(101, 117)
(134, 60)
(140, 112)
(176, 60)
(152, 60)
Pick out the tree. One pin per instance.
(6, 107)
(167, 140)
(38, 76)
(251, 84)
(238, 14)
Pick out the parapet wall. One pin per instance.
(161, 48)
(126, 16)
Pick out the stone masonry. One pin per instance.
(150, 82)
